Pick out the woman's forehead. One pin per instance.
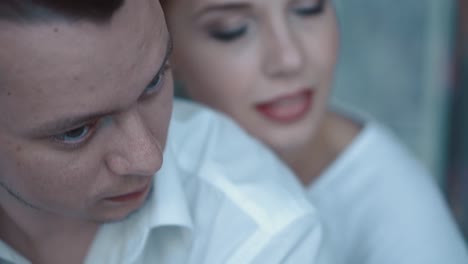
(200, 6)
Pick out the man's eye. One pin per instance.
(306, 10)
(158, 81)
(76, 136)
(228, 35)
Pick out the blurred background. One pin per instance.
(405, 63)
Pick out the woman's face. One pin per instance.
(267, 63)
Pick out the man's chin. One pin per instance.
(117, 213)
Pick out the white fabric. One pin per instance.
(220, 197)
(379, 206)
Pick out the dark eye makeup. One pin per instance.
(228, 35)
(307, 10)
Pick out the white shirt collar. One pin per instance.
(166, 206)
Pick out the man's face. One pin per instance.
(84, 113)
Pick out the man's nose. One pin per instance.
(136, 150)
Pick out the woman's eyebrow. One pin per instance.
(222, 7)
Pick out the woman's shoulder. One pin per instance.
(370, 144)
(370, 152)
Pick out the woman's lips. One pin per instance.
(130, 196)
(288, 108)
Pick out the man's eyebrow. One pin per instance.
(68, 123)
(169, 48)
(222, 7)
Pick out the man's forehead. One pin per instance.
(55, 65)
(72, 48)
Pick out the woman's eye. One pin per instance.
(158, 81)
(75, 137)
(309, 9)
(228, 35)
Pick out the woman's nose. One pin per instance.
(283, 56)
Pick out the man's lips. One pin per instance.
(131, 196)
(288, 108)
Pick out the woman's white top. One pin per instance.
(380, 206)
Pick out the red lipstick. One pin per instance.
(288, 108)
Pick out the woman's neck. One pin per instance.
(308, 161)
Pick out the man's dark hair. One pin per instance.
(30, 11)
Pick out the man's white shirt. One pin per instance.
(220, 197)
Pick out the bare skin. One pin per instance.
(333, 137)
(268, 64)
(85, 113)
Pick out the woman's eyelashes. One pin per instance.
(228, 35)
(309, 9)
